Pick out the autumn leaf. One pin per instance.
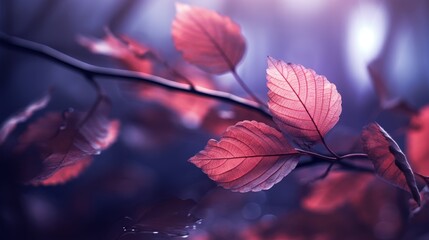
(130, 52)
(219, 119)
(389, 161)
(66, 142)
(10, 124)
(190, 109)
(417, 141)
(338, 189)
(207, 39)
(303, 104)
(250, 156)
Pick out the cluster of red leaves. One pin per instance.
(305, 106)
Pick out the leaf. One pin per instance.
(304, 105)
(207, 39)
(251, 156)
(172, 219)
(417, 141)
(190, 109)
(10, 124)
(127, 50)
(336, 190)
(66, 142)
(219, 119)
(389, 161)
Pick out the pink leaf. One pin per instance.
(251, 156)
(303, 104)
(389, 161)
(20, 117)
(127, 50)
(66, 142)
(417, 142)
(210, 41)
(190, 109)
(338, 189)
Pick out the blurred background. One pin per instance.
(148, 163)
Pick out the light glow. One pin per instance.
(367, 29)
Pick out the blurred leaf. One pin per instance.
(66, 142)
(207, 39)
(130, 52)
(417, 141)
(10, 124)
(338, 189)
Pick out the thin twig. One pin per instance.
(88, 69)
(354, 155)
(246, 88)
(321, 156)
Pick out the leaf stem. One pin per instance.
(246, 88)
(354, 155)
(326, 145)
(314, 154)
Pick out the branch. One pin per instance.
(317, 158)
(91, 70)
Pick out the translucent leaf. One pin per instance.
(250, 156)
(389, 161)
(303, 104)
(207, 39)
(66, 142)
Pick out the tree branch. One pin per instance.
(88, 69)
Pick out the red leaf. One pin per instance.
(336, 190)
(303, 104)
(190, 109)
(127, 50)
(219, 119)
(389, 161)
(20, 117)
(210, 41)
(66, 142)
(66, 173)
(251, 156)
(417, 142)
